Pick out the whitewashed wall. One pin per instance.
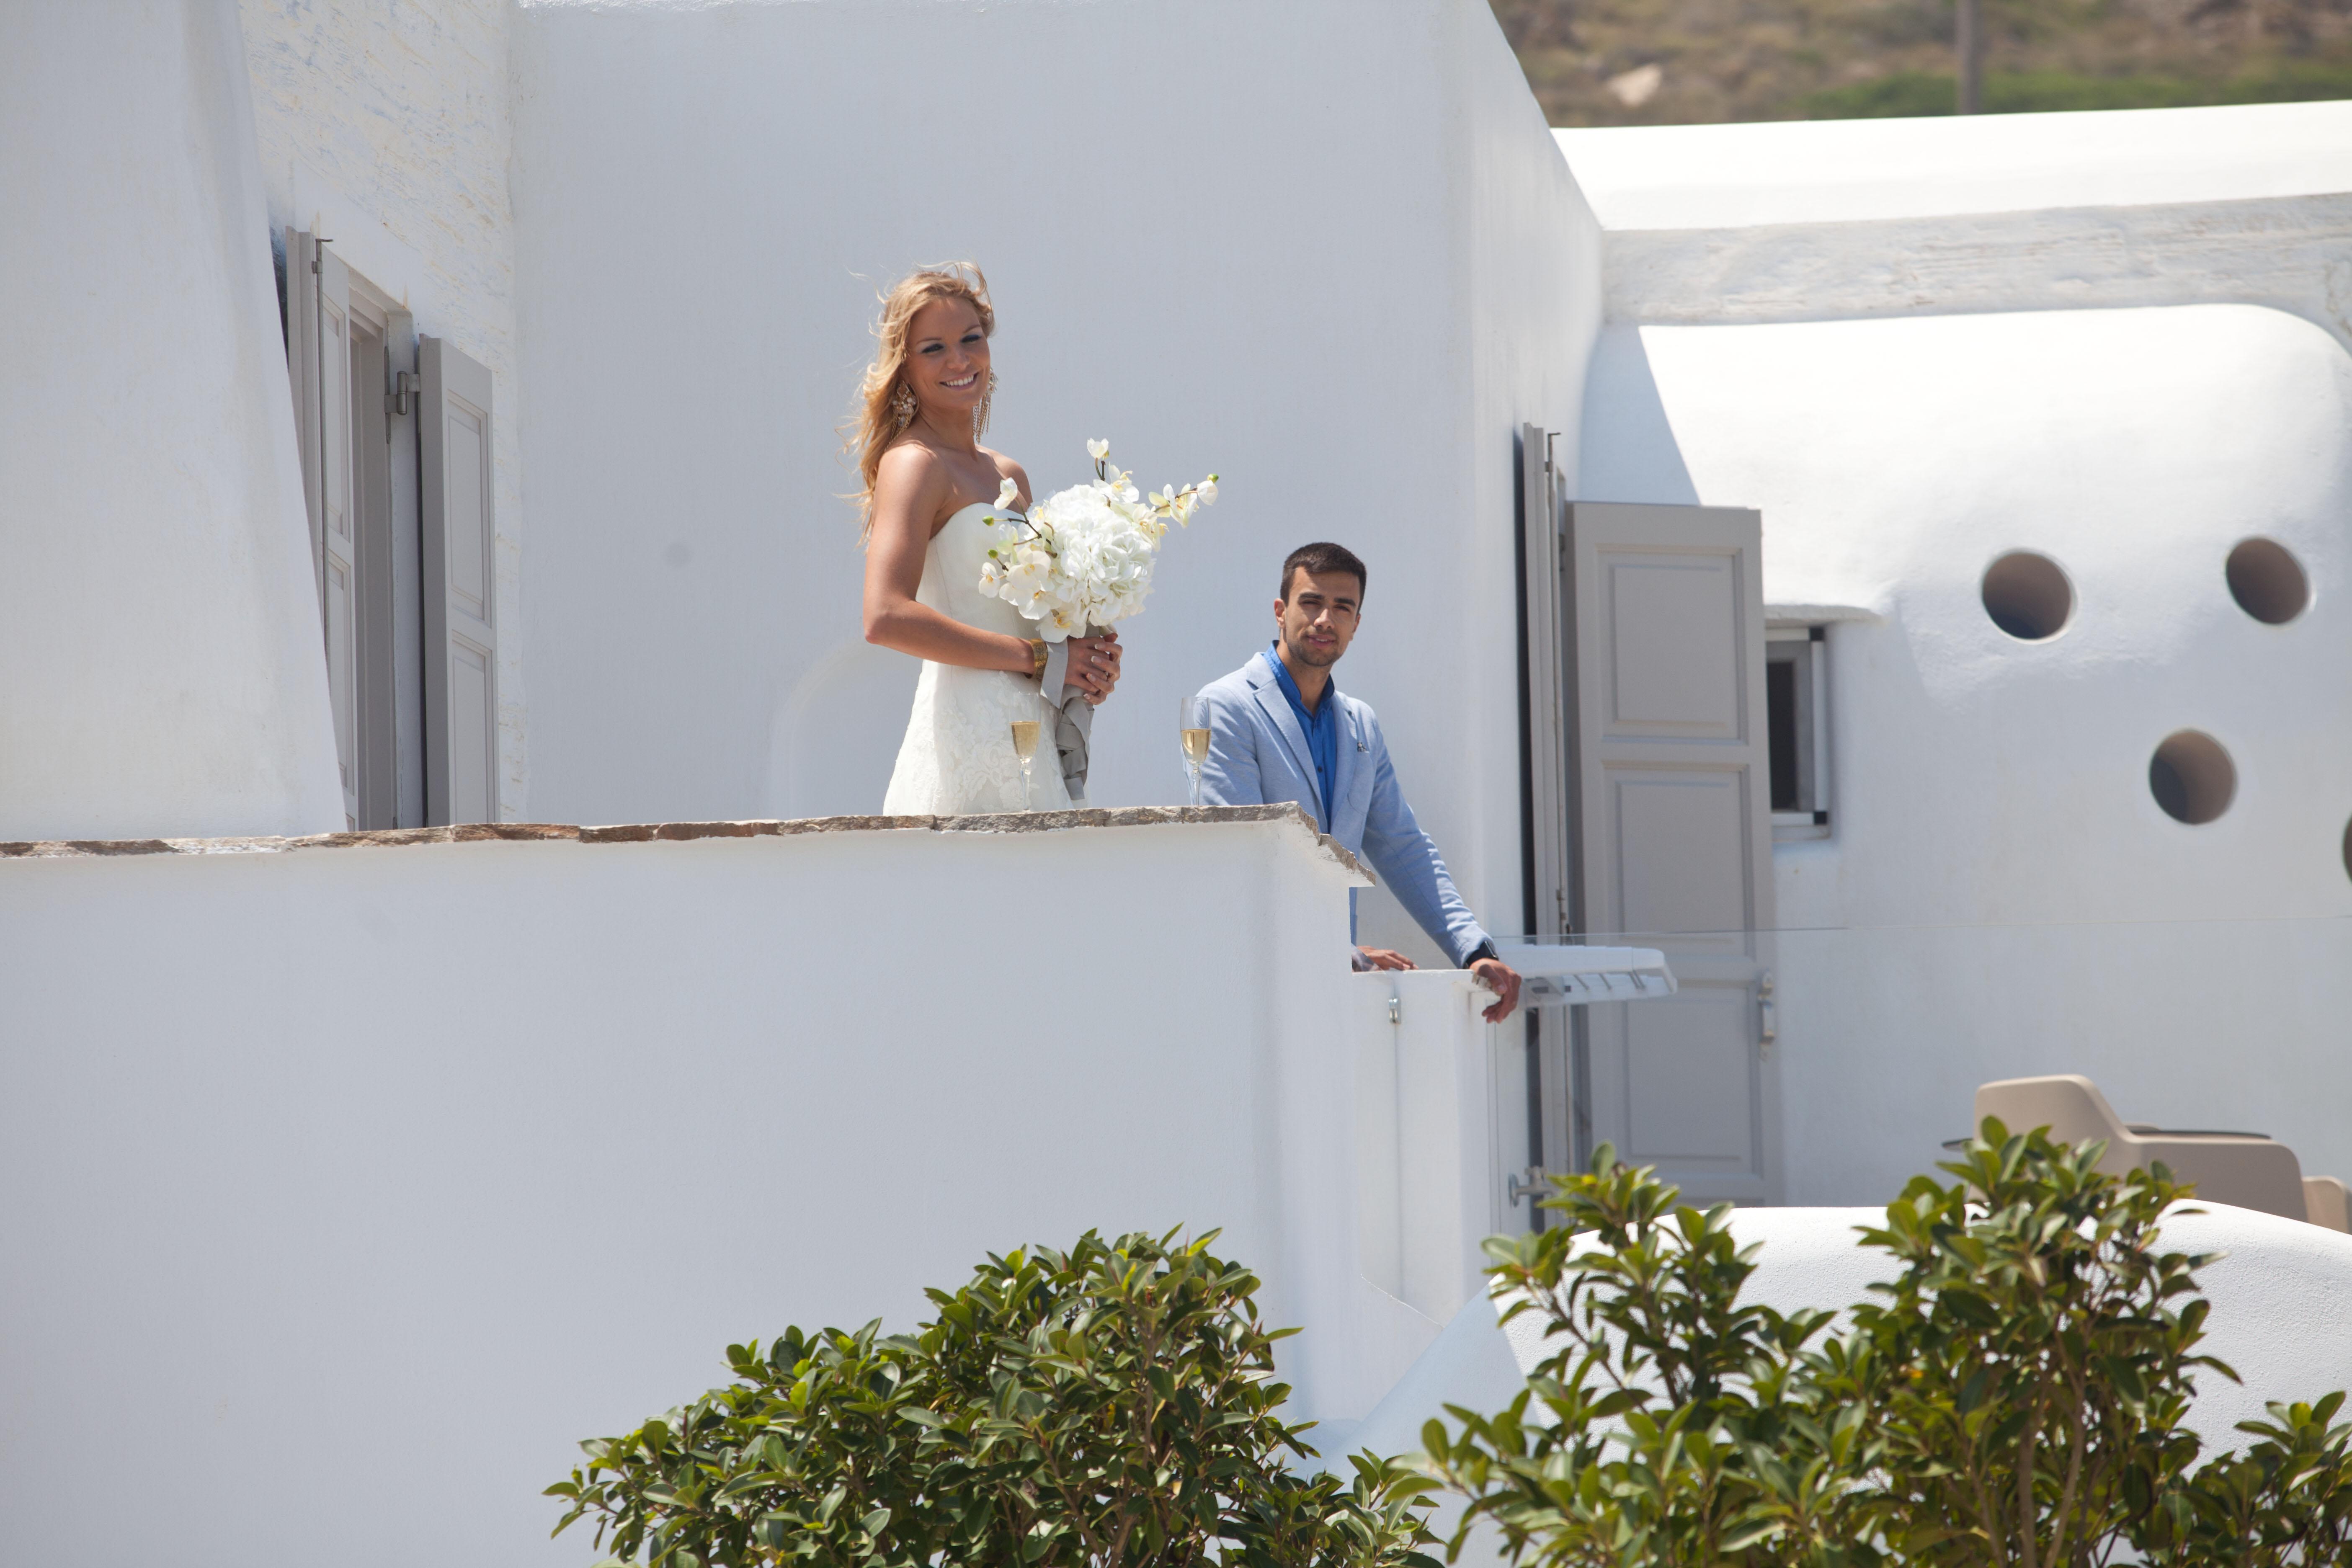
(1981, 782)
(388, 1173)
(160, 644)
(1330, 254)
(1531, 288)
(387, 128)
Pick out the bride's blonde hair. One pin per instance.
(873, 424)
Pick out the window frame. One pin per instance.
(1805, 645)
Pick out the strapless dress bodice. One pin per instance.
(952, 570)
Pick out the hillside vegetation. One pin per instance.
(1657, 62)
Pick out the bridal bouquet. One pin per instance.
(1082, 557)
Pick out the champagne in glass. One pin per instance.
(1192, 731)
(1024, 746)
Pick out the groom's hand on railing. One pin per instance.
(1503, 981)
(1380, 958)
(1094, 666)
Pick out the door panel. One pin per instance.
(1691, 1096)
(377, 675)
(336, 530)
(1671, 833)
(1668, 776)
(1550, 1092)
(1672, 646)
(461, 697)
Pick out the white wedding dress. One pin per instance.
(958, 754)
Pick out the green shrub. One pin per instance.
(1673, 1425)
(1112, 1406)
(2015, 1400)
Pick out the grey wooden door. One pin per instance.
(459, 544)
(1668, 795)
(1543, 616)
(317, 294)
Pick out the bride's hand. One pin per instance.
(1094, 666)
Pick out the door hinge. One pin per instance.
(1768, 1022)
(1396, 1009)
(402, 396)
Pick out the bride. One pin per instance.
(927, 484)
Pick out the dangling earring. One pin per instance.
(902, 404)
(979, 414)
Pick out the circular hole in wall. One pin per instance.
(2192, 777)
(2027, 597)
(2347, 848)
(2267, 581)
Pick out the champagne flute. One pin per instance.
(1192, 731)
(1024, 746)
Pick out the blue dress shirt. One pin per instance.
(1322, 727)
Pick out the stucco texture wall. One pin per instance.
(1202, 247)
(159, 624)
(386, 127)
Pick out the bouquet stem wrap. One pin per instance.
(1073, 721)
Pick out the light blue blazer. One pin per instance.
(1258, 756)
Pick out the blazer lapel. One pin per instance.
(1351, 753)
(1276, 708)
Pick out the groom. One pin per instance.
(1278, 730)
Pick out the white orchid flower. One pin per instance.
(1083, 556)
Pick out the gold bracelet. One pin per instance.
(1037, 658)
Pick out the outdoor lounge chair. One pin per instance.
(2247, 1168)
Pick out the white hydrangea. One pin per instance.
(1082, 557)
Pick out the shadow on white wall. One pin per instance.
(835, 735)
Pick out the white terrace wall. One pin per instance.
(389, 1172)
(2001, 893)
(1982, 779)
(1534, 305)
(1994, 835)
(159, 628)
(386, 127)
(1324, 248)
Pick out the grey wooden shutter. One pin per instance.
(319, 346)
(407, 553)
(1668, 757)
(461, 707)
(1542, 588)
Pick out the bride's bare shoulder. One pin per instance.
(912, 465)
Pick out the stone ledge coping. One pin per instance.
(677, 832)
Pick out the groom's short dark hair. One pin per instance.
(1318, 559)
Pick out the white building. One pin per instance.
(1863, 498)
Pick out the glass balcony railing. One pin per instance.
(1826, 1066)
